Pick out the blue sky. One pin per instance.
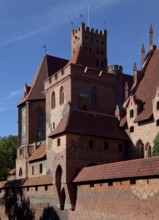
(26, 26)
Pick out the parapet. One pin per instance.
(87, 30)
(115, 69)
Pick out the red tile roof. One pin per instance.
(91, 124)
(39, 153)
(120, 170)
(48, 67)
(146, 88)
(81, 58)
(35, 181)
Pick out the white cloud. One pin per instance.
(14, 93)
(61, 14)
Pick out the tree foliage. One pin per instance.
(8, 145)
(156, 146)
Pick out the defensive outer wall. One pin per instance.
(122, 199)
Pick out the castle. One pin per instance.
(81, 122)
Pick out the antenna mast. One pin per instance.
(88, 15)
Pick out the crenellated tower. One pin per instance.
(94, 42)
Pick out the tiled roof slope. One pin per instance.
(92, 124)
(48, 67)
(39, 153)
(120, 170)
(81, 58)
(34, 181)
(146, 89)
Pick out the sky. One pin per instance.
(26, 26)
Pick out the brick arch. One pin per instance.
(60, 190)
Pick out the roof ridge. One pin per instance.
(93, 113)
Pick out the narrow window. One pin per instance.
(157, 122)
(58, 142)
(20, 172)
(46, 188)
(131, 113)
(32, 170)
(36, 188)
(61, 95)
(131, 129)
(91, 144)
(41, 168)
(94, 96)
(53, 125)
(53, 101)
(41, 124)
(157, 105)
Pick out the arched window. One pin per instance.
(94, 96)
(147, 150)
(53, 101)
(20, 172)
(140, 147)
(58, 178)
(61, 95)
(41, 120)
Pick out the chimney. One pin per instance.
(151, 37)
(142, 55)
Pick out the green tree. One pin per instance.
(156, 146)
(8, 145)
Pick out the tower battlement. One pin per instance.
(94, 43)
(90, 30)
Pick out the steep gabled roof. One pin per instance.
(146, 89)
(48, 67)
(120, 170)
(38, 154)
(81, 58)
(91, 124)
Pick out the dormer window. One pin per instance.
(131, 113)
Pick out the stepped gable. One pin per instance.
(89, 123)
(39, 153)
(48, 67)
(146, 89)
(120, 170)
